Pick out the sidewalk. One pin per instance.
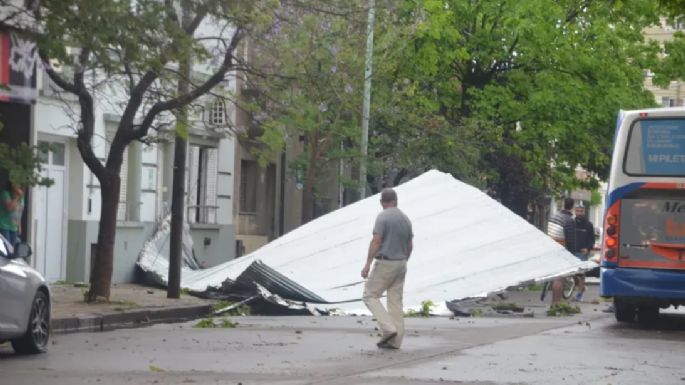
(130, 305)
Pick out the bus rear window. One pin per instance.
(656, 148)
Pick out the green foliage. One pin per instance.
(535, 287)
(674, 9)
(210, 323)
(562, 309)
(425, 311)
(23, 164)
(504, 90)
(313, 105)
(205, 324)
(595, 198)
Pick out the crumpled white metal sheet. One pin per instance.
(465, 245)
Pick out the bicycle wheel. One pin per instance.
(569, 287)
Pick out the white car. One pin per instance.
(24, 301)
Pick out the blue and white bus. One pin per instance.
(643, 245)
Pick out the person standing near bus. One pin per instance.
(585, 241)
(390, 247)
(562, 228)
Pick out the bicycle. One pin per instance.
(569, 287)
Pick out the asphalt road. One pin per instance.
(590, 348)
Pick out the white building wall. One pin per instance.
(225, 181)
(53, 119)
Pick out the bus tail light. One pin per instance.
(611, 227)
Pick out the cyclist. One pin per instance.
(562, 228)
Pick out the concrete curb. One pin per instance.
(128, 319)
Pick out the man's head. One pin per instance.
(388, 198)
(580, 210)
(568, 203)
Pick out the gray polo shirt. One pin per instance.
(395, 229)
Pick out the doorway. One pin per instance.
(51, 213)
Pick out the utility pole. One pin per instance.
(368, 71)
(178, 184)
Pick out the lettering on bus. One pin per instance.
(652, 158)
(674, 229)
(674, 207)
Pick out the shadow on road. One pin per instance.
(666, 322)
(6, 352)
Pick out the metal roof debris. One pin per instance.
(465, 245)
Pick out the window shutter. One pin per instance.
(212, 175)
(191, 182)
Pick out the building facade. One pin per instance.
(64, 217)
(60, 222)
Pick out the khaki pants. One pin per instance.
(387, 276)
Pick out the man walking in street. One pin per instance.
(391, 247)
(585, 241)
(562, 228)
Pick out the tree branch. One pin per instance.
(187, 98)
(171, 11)
(138, 92)
(85, 132)
(55, 77)
(195, 22)
(79, 73)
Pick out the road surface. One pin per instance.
(590, 348)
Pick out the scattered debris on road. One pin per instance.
(562, 309)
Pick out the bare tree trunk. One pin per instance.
(101, 272)
(308, 196)
(310, 179)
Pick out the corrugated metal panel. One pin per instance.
(466, 245)
(276, 283)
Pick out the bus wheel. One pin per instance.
(647, 314)
(624, 312)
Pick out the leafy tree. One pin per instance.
(675, 9)
(668, 62)
(131, 49)
(526, 90)
(22, 164)
(317, 52)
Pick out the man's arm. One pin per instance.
(374, 246)
(410, 248)
(591, 236)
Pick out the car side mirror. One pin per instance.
(22, 250)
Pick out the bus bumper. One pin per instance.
(664, 286)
